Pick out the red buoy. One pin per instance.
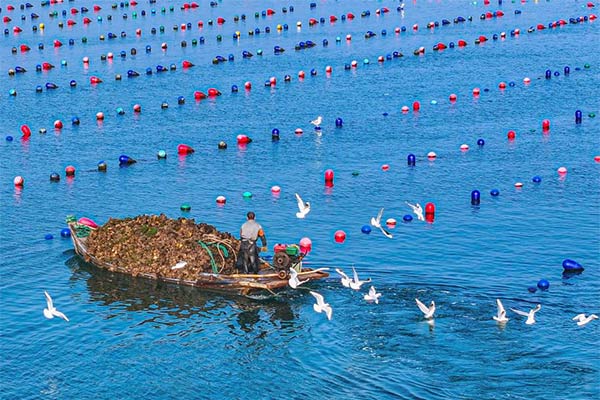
(137, 108)
(26, 131)
(47, 66)
(502, 85)
(243, 139)
(462, 43)
(94, 80)
(476, 92)
(340, 236)
(429, 212)
(212, 92)
(184, 149)
(453, 97)
(329, 177)
(57, 43)
(220, 21)
(199, 95)
(24, 48)
(248, 85)
(332, 18)
(19, 181)
(58, 124)
(546, 125)
(416, 106)
(511, 135)
(187, 64)
(70, 170)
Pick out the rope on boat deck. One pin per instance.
(224, 248)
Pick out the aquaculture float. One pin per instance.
(182, 252)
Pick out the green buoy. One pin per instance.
(185, 207)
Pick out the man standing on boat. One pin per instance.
(248, 256)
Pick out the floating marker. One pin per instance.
(411, 160)
(475, 197)
(339, 236)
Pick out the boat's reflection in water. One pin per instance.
(172, 304)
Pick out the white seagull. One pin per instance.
(321, 306)
(317, 122)
(294, 282)
(583, 320)
(52, 312)
(372, 295)
(427, 311)
(304, 207)
(345, 280)
(530, 315)
(501, 317)
(376, 222)
(179, 265)
(418, 210)
(357, 283)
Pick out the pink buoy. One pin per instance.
(526, 81)
(390, 222)
(431, 155)
(137, 108)
(298, 131)
(562, 170)
(305, 245)
(301, 74)
(184, 149)
(339, 236)
(163, 46)
(58, 124)
(385, 167)
(273, 81)
(25, 131)
(464, 147)
(87, 222)
(476, 92)
(452, 97)
(18, 181)
(328, 69)
(348, 37)
(354, 63)
(518, 185)
(597, 158)
(416, 106)
(100, 116)
(546, 125)
(221, 200)
(70, 170)
(404, 109)
(86, 60)
(511, 135)
(275, 189)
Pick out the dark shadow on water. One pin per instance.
(132, 294)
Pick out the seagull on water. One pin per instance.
(501, 317)
(357, 283)
(372, 295)
(179, 265)
(317, 122)
(304, 207)
(418, 210)
(294, 282)
(321, 306)
(530, 315)
(376, 222)
(345, 280)
(427, 311)
(51, 312)
(583, 320)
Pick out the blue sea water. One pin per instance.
(133, 339)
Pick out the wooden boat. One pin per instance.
(268, 279)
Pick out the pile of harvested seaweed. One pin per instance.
(153, 244)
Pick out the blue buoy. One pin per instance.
(536, 179)
(126, 160)
(548, 74)
(234, 89)
(65, 232)
(578, 116)
(495, 192)
(54, 177)
(48, 236)
(75, 121)
(480, 142)
(475, 197)
(532, 289)
(411, 159)
(567, 70)
(407, 218)
(366, 229)
(9, 138)
(543, 284)
(275, 134)
(571, 265)
(339, 122)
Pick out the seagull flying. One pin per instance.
(304, 207)
(376, 222)
(372, 295)
(317, 122)
(321, 306)
(418, 210)
(345, 280)
(501, 317)
(357, 283)
(530, 315)
(427, 311)
(51, 312)
(294, 282)
(179, 265)
(583, 320)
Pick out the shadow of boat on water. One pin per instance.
(135, 294)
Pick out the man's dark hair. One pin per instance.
(250, 215)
